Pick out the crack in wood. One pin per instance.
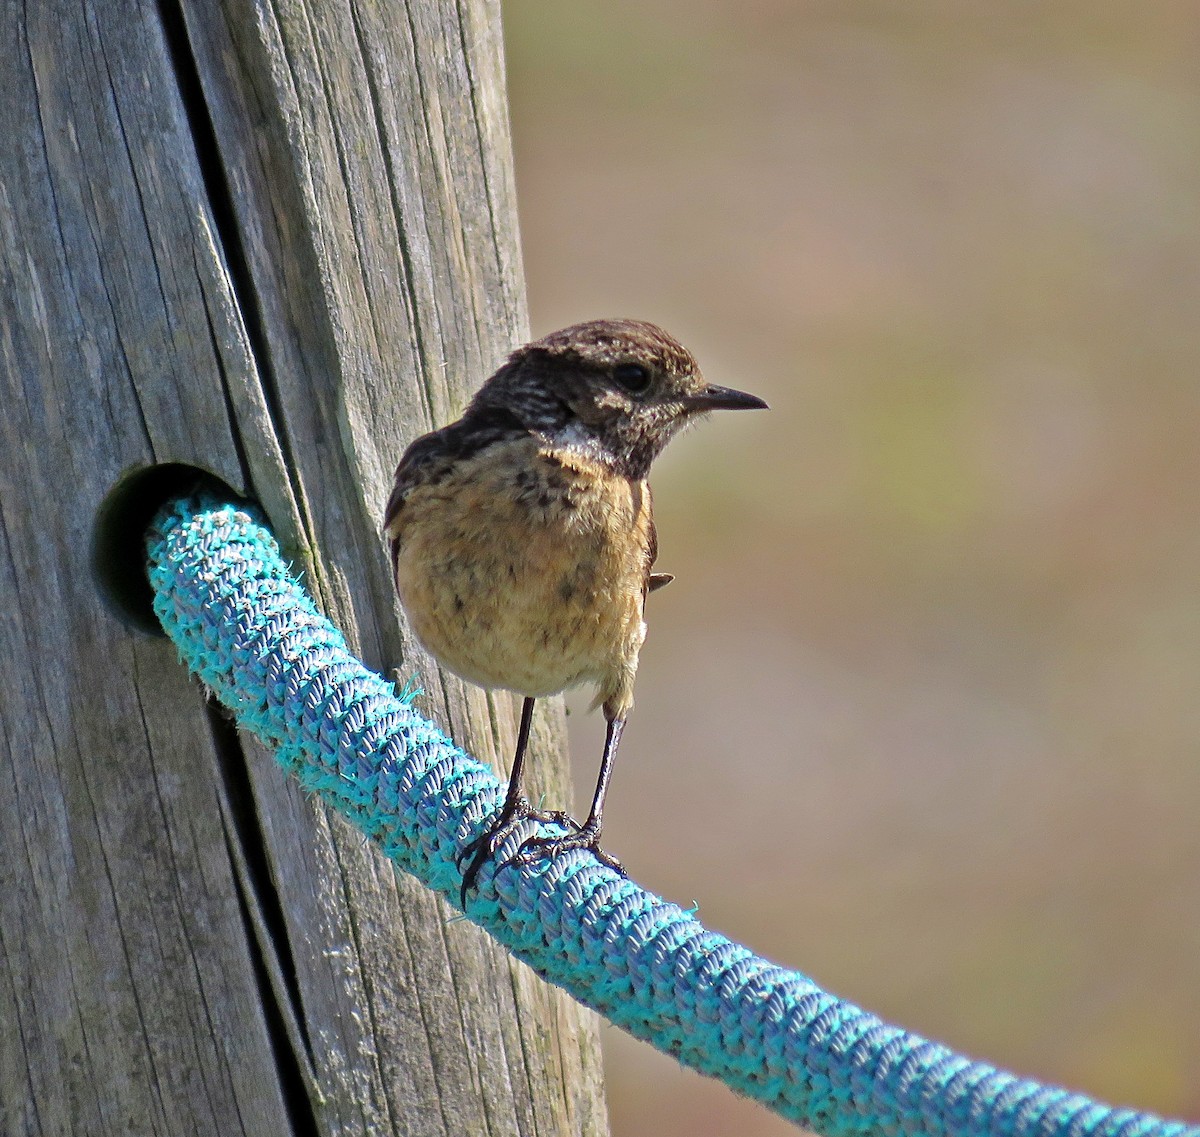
(265, 928)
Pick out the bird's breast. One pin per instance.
(524, 567)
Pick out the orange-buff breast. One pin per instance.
(524, 568)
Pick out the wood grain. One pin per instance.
(275, 242)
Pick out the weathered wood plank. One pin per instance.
(275, 243)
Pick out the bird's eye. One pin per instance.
(632, 376)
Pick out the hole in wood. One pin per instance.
(118, 553)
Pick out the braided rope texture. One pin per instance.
(252, 635)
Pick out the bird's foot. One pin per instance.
(583, 837)
(483, 846)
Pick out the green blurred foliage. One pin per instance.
(920, 715)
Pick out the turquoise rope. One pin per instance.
(252, 635)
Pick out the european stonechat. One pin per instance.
(522, 535)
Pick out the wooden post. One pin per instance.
(276, 242)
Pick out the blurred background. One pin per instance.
(921, 714)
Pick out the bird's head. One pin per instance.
(620, 389)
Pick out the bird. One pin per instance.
(523, 544)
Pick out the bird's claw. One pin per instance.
(583, 837)
(477, 851)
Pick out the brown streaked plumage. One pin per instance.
(523, 539)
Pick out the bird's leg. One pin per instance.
(586, 836)
(516, 809)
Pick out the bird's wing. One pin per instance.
(433, 455)
(654, 580)
(428, 457)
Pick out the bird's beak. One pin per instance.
(714, 398)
